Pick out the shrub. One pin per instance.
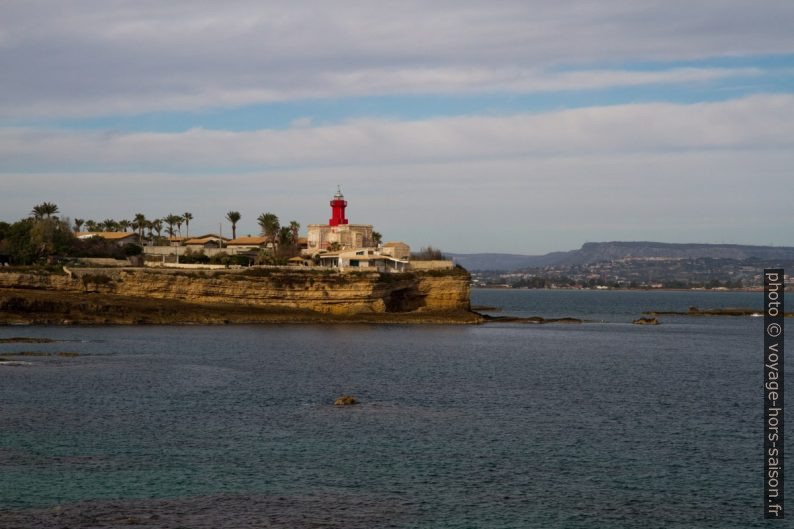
(131, 249)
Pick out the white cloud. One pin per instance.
(754, 122)
(94, 57)
(527, 183)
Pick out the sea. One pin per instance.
(602, 424)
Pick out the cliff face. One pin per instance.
(275, 290)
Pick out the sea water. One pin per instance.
(599, 424)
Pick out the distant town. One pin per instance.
(629, 265)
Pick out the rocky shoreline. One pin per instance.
(164, 297)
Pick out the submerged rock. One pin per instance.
(345, 400)
(646, 321)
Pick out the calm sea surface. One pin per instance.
(603, 424)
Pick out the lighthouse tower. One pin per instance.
(338, 205)
(347, 236)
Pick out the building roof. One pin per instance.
(392, 244)
(202, 240)
(248, 241)
(213, 235)
(296, 259)
(110, 235)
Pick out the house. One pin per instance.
(363, 259)
(398, 250)
(117, 237)
(209, 240)
(247, 244)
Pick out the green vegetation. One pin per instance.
(234, 218)
(46, 240)
(428, 253)
(187, 217)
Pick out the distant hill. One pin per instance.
(503, 261)
(592, 252)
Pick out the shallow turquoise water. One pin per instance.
(492, 426)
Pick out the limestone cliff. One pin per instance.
(279, 293)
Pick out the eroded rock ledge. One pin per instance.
(259, 295)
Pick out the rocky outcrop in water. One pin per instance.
(133, 295)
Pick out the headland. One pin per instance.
(247, 295)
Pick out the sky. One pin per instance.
(473, 126)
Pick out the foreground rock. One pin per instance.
(346, 400)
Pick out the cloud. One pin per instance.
(94, 57)
(706, 172)
(757, 122)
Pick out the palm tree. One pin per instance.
(179, 221)
(44, 209)
(270, 226)
(285, 236)
(377, 238)
(90, 225)
(188, 216)
(171, 220)
(124, 224)
(109, 225)
(234, 218)
(140, 221)
(78, 223)
(157, 224)
(295, 228)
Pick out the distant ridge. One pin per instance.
(593, 252)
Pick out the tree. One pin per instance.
(377, 238)
(428, 254)
(157, 224)
(295, 228)
(45, 209)
(78, 223)
(234, 218)
(50, 236)
(109, 225)
(179, 221)
(285, 236)
(188, 216)
(270, 226)
(171, 220)
(90, 225)
(124, 224)
(334, 247)
(140, 222)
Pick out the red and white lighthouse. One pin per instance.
(338, 205)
